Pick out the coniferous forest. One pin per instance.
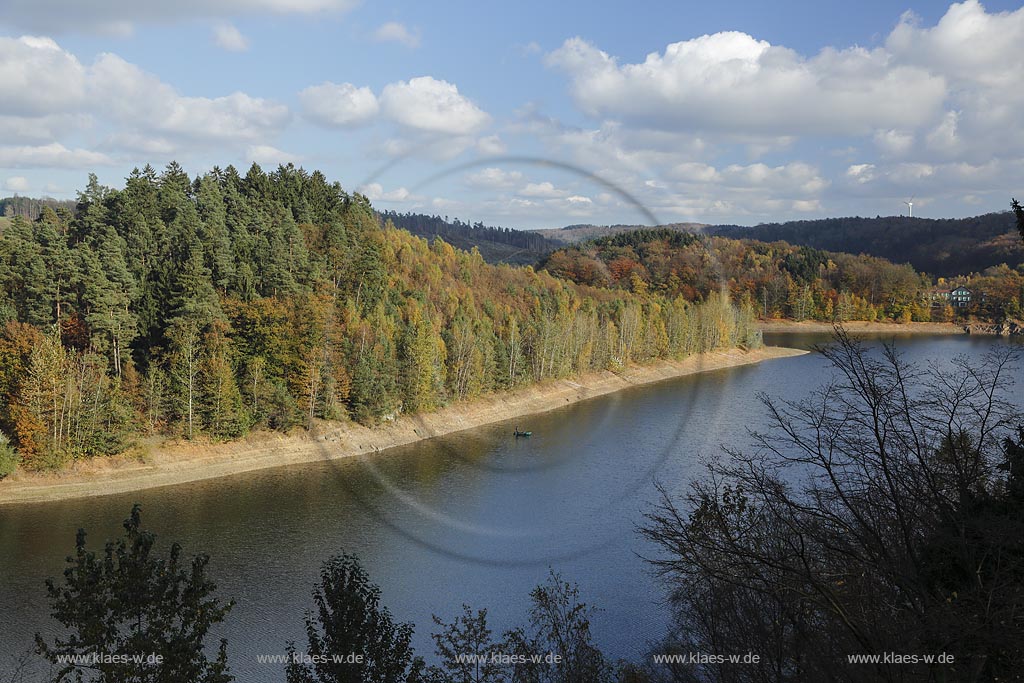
(216, 305)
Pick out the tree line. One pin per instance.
(224, 303)
(944, 247)
(779, 280)
(496, 244)
(30, 208)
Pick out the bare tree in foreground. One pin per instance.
(882, 516)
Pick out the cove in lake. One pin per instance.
(476, 517)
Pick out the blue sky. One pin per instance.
(740, 112)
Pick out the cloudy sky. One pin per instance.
(730, 111)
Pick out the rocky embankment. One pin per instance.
(1006, 328)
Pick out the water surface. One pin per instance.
(476, 517)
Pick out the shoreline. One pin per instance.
(169, 463)
(858, 326)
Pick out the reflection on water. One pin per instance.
(476, 517)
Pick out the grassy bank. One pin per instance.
(171, 463)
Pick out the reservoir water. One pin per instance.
(477, 517)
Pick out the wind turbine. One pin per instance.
(910, 205)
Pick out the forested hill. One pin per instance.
(571, 234)
(31, 208)
(777, 279)
(213, 305)
(496, 245)
(942, 247)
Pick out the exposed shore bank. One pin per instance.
(813, 326)
(169, 463)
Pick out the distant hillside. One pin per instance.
(496, 245)
(779, 280)
(31, 208)
(571, 234)
(942, 247)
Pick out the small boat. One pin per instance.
(518, 433)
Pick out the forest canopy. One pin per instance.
(226, 302)
(781, 280)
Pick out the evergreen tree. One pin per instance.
(126, 603)
(1018, 214)
(213, 232)
(349, 620)
(108, 290)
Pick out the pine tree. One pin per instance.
(213, 232)
(128, 602)
(108, 290)
(349, 618)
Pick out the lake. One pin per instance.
(476, 517)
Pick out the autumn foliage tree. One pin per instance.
(205, 307)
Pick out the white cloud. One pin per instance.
(943, 138)
(119, 16)
(894, 142)
(530, 48)
(695, 172)
(395, 32)
(793, 178)
(968, 45)
(142, 100)
(138, 143)
(54, 155)
(375, 193)
(861, 173)
(427, 146)
(17, 184)
(431, 105)
(494, 178)
(731, 82)
(265, 155)
(228, 37)
(42, 128)
(491, 145)
(544, 189)
(807, 205)
(911, 173)
(46, 92)
(38, 78)
(339, 105)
